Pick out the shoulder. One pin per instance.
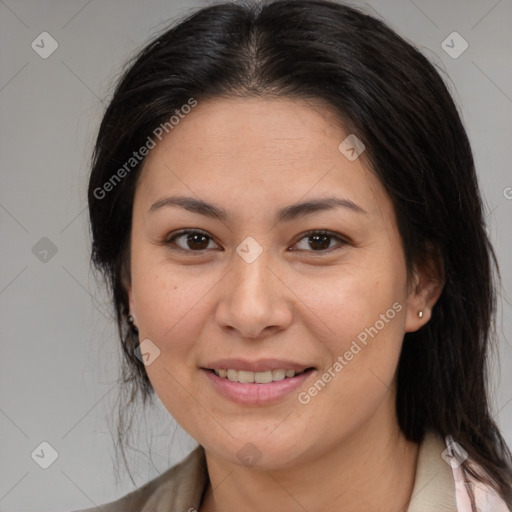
(179, 488)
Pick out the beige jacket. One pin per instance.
(437, 487)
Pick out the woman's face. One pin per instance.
(254, 291)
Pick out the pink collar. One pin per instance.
(470, 494)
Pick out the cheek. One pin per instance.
(365, 312)
(358, 298)
(171, 312)
(174, 308)
(167, 304)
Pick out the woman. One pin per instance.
(284, 202)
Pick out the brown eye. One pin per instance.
(192, 240)
(319, 241)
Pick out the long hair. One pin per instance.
(392, 98)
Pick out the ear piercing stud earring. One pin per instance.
(420, 314)
(131, 323)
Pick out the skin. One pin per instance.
(343, 450)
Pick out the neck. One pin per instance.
(371, 469)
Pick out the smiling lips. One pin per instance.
(261, 382)
(261, 371)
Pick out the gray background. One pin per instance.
(59, 348)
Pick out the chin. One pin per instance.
(259, 452)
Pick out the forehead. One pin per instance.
(254, 127)
(251, 149)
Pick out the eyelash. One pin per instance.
(170, 240)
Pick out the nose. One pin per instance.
(255, 300)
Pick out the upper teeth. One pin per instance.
(258, 377)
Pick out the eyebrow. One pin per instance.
(285, 214)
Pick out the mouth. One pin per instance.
(250, 377)
(257, 388)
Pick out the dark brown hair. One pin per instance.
(389, 95)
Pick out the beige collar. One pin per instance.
(434, 487)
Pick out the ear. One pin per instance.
(424, 291)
